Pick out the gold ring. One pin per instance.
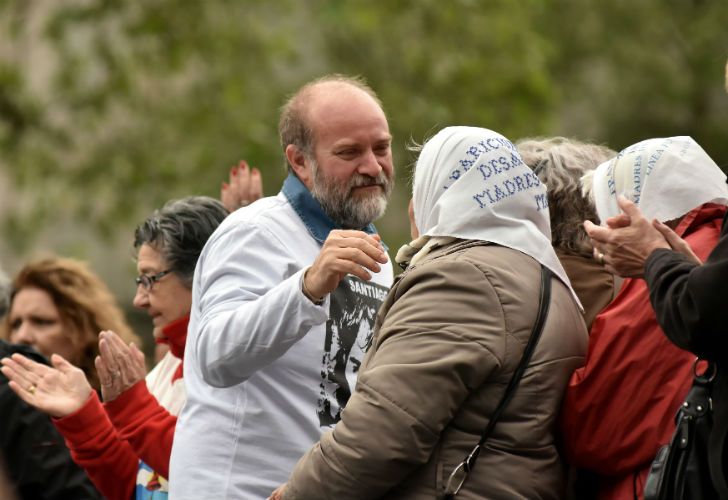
(32, 388)
(601, 258)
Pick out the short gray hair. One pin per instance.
(293, 126)
(560, 163)
(179, 231)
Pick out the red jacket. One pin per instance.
(109, 440)
(619, 408)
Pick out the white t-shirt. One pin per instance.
(266, 370)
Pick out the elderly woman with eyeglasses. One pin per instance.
(125, 444)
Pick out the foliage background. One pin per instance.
(108, 109)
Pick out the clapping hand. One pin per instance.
(119, 366)
(58, 391)
(676, 242)
(623, 246)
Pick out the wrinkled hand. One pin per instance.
(676, 243)
(245, 187)
(621, 220)
(278, 493)
(119, 366)
(57, 391)
(625, 245)
(344, 252)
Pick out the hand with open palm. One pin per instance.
(59, 390)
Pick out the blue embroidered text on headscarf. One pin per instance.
(490, 167)
(666, 177)
(470, 183)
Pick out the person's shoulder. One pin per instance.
(501, 263)
(469, 265)
(264, 215)
(264, 209)
(8, 349)
(457, 262)
(486, 257)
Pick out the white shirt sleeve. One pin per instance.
(251, 308)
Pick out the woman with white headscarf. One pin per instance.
(607, 428)
(449, 337)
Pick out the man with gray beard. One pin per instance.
(284, 300)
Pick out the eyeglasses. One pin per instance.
(148, 281)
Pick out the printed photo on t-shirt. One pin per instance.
(353, 311)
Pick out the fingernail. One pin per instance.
(233, 171)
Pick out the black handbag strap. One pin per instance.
(461, 472)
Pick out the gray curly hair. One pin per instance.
(179, 231)
(560, 163)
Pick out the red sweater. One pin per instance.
(620, 407)
(109, 441)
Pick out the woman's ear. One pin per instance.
(414, 232)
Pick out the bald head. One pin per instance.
(321, 96)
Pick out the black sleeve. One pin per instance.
(691, 301)
(35, 456)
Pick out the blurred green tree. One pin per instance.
(107, 109)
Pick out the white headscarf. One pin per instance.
(471, 183)
(666, 177)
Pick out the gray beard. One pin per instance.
(347, 211)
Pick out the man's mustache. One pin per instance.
(362, 180)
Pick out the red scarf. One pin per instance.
(175, 335)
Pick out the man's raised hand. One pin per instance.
(344, 252)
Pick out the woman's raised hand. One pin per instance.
(58, 391)
(119, 366)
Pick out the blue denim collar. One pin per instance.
(309, 210)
